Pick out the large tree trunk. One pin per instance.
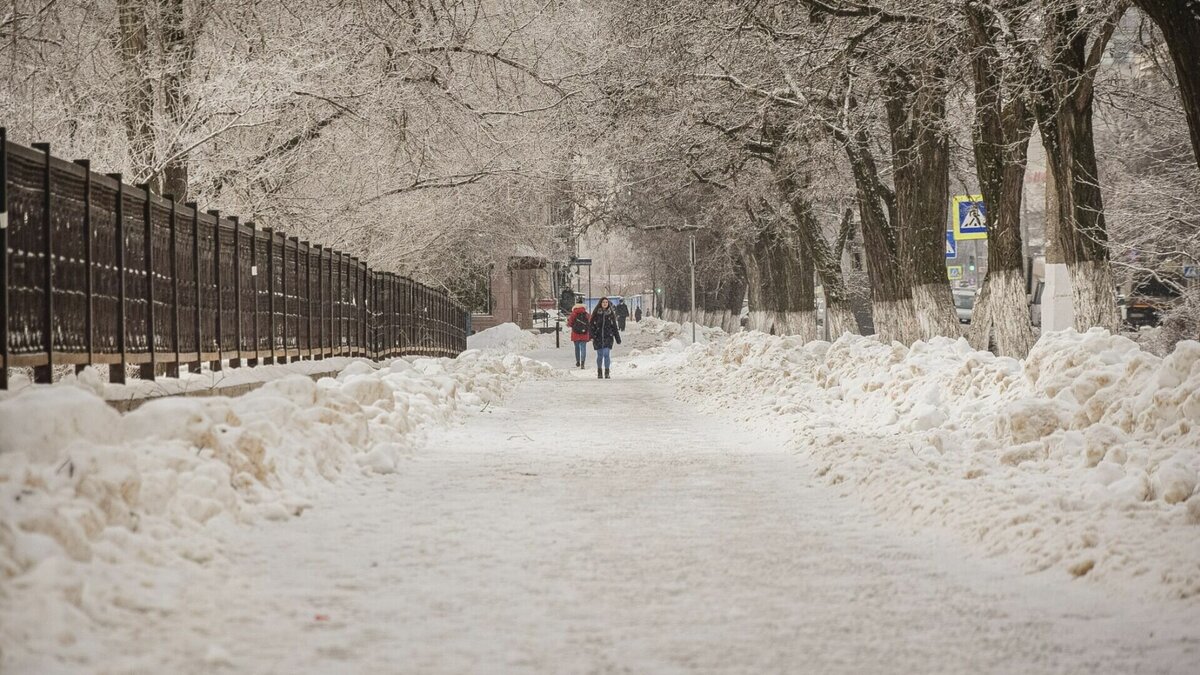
(792, 182)
(133, 46)
(891, 296)
(1002, 130)
(179, 48)
(1179, 21)
(1065, 120)
(780, 286)
(916, 115)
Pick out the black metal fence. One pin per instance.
(94, 271)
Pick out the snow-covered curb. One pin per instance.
(95, 502)
(205, 382)
(1084, 457)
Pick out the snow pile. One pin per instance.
(101, 509)
(1085, 457)
(95, 379)
(507, 337)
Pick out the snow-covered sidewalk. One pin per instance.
(590, 526)
(568, 525)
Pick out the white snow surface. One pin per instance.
(507, 337)
(95, 380)
(1084, 457)
(716, 524)
(106, 516)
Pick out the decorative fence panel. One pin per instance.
(97, 272)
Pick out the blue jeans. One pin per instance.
(581, 351)
(604, 357)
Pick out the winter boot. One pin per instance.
(576, 361)
(599, 373)
(606, 376)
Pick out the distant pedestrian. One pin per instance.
(580, 324)
(637, 314)
(622, 314)
(604, 332)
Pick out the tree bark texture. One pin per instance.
(792, 182)
(1179, 21)
(891, 294)
(781, 288)
(137, 90)
(1064, 113)
(1003, 125)
(915, 98)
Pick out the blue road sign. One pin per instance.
(951, 246)
(1191, 272)
(970, 217)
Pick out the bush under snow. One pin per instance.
(99, 507)
(1084, 457)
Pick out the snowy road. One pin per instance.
(597, 527)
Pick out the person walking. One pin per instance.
(580, 325)
(604, 332)
(622, 314)
(637, 314)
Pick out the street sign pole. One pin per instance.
(692, 249)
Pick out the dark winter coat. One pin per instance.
(622, 311)
(579, 337)
(604, 329)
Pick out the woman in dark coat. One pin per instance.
(604, 332)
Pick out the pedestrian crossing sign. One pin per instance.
(954, 272)
(951, 246)
(970, 217)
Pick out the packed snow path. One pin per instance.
(600, 527)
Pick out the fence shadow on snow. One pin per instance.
(94, 271)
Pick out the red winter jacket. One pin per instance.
(578, 337)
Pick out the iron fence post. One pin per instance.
(88, 290)
(254, 283)
(116, 371)
(147, 370)
(173, 368)
(236, 361)
(45, 373)
(308, 299)
(217, 364)
(4, 263)
(270, 293)
(195, 366)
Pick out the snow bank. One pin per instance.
(1085, 457)
(95, 379)
(507, 337)
(101, 509)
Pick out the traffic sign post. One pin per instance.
(970, 217)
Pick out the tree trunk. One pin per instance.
(1179, 21)
(1065, 120)
(916, 115)
(781, 289)
(179, 47)
(891, 296)
(792, 182)
(133, 46)
(1001, 143)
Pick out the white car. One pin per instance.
(964, 305)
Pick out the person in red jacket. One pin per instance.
(578, 323)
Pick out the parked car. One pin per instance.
(1149, 299)
(964, 304)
